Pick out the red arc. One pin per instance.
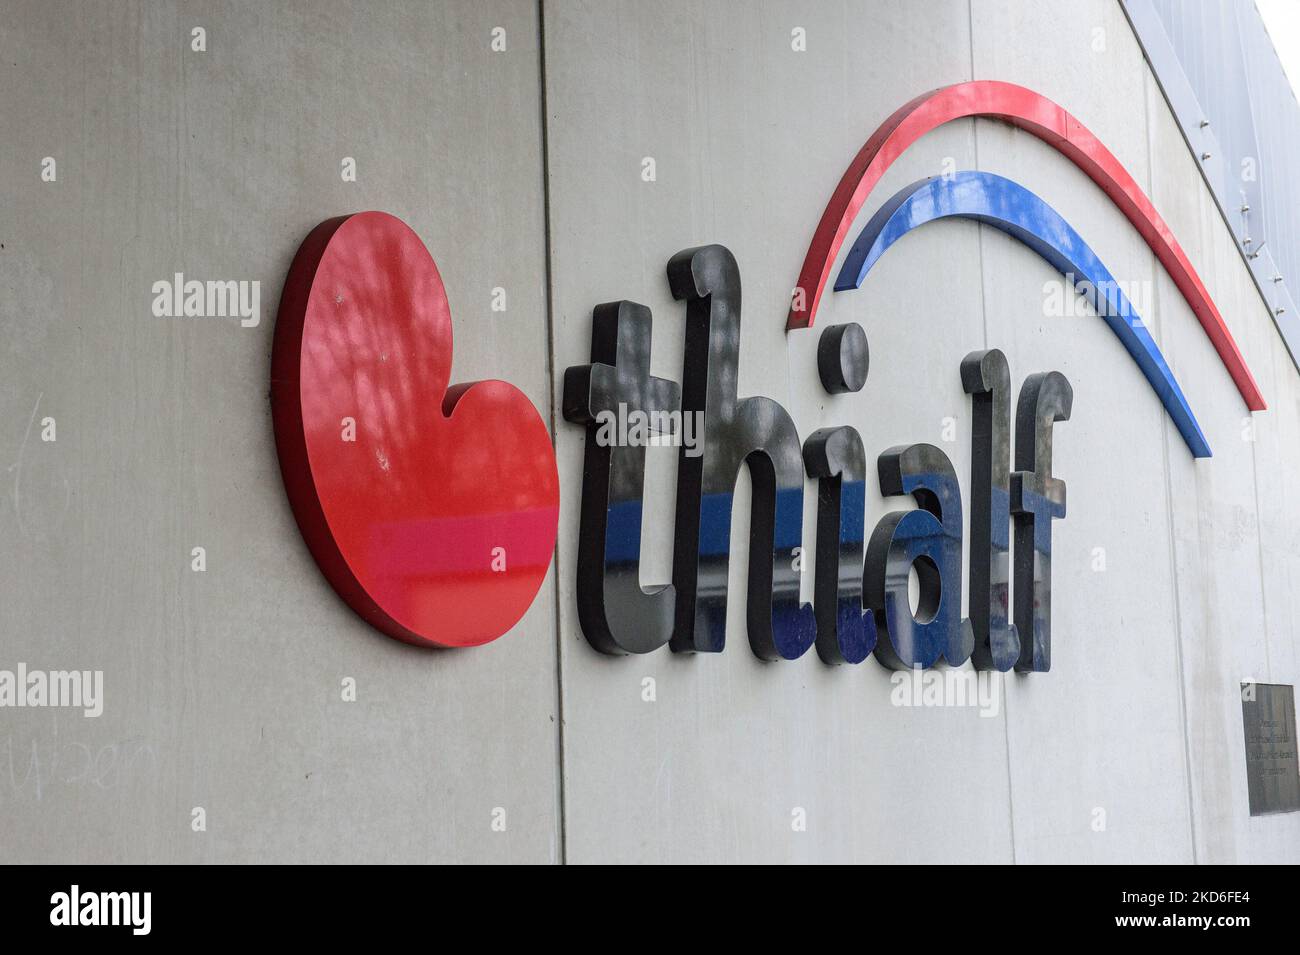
(1043, 118)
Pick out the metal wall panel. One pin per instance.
(1217, 67)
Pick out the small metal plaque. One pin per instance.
(1272, 767)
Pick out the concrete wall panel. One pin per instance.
(223, 687)
(1174, 579)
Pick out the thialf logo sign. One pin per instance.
(432, 509)
(855, 611)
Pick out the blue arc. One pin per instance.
(1019, 213)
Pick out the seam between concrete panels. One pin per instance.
(561, 814)
(1259, 525)
(984, 319)
(1169, 494)
(1178, 629)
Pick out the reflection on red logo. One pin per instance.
(431, 510)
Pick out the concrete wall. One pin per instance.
(223, 687)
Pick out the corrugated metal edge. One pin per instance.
(1186, 108)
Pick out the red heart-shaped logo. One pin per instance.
(431, 510)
